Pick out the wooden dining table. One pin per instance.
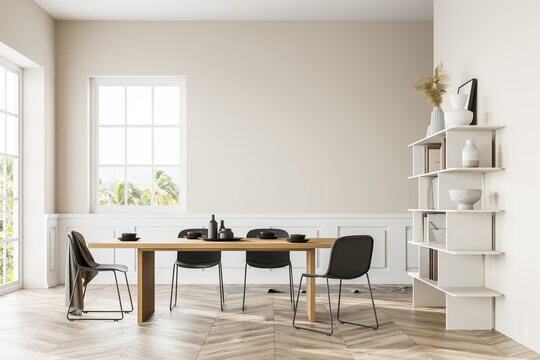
(146, 249)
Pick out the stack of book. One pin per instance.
(433, 263)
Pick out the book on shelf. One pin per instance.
(432, 158)
(433, 265)
(443, 154)
(425, 228)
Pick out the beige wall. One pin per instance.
(497, 42)
(27, 39)
(302, 117)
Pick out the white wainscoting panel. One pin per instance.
(391, 257)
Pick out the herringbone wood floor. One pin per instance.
(33, 326)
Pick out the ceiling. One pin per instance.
(238, 9)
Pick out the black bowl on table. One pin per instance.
(297, 238)
(267, 235)
(129, 235)
(193, 234)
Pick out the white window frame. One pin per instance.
(15, 285)
(94, 82)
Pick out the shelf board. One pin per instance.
(467, 291)
(437, 137)
(442, 248)
(458, 170)
(440, 211)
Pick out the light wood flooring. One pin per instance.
(33, 326)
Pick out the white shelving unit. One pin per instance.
(451, 266)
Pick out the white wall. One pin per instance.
(27, 39)
(498, 43)
(307, 117)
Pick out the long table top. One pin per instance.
(251, 244)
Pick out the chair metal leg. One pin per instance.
(244, 296)
(176, 287)
(129, 293)
(100, 311)
(220, 286)
(372, 302)
(172, 286)
(291, 285)
(329, 311)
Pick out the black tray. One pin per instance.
(231, 239)
(266, 238)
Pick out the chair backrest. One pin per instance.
(82, 258)
(197, 258)
(350, 257)
(268, 259)
(280, 233)
(184, 232)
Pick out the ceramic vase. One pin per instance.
(437, 120)
(459, 115)
(470, 156)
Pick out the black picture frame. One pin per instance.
(470, 88)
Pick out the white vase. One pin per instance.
(458, 116)
(437, 120)
(470, 156)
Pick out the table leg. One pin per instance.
(310, 286)
(145, 285)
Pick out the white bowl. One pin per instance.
(458, 117)
(466, 198)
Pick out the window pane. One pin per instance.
(166, 105)
(166, 146)
(139, 145)
(2, 132)
(12, 92)
(167, 186)
(12, 258)
(2, 88)
(111, 105)
(12, 219)
(111, 146)
(2, 165)
(12, 177)
(2, 245)
(139, 105)
(111, 185)
(12, 135)
(139, 190)
(2, 220)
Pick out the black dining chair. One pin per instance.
(350, 258)
(196, 260)
(268, 260)
(75, 255)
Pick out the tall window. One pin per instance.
(138, 142)
(10, 79)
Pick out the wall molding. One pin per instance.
(391, 258)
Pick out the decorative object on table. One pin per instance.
(470, 156)
(432, 158)
(128, 237)
(212, 228)
(223, 239)
(459, 115)
(466, 198)
(469, 88)
(225, 234)
(267, 235)
(193, 234)
(221, 226)
(434, 87)
(297, 238)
